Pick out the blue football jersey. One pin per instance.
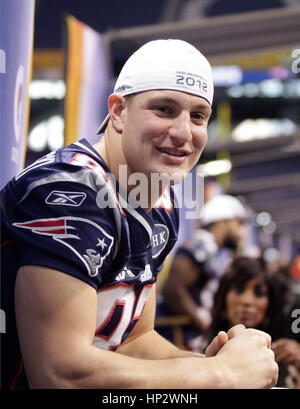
(66, 212)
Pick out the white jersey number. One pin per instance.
(117, 308)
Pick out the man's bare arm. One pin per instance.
(56, 319)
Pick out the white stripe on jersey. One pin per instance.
(50, 158)
(79, 177)
(82, 146)
(83, 176)
(136, 215)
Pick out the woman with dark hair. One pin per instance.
(248, 295)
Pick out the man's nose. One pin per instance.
(180, 129)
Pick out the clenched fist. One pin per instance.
(246, 357)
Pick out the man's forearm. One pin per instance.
(152, 345)
(244, 361)
(97, 369)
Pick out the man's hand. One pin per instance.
(221, 338)
(248, 359)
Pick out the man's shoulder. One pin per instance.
(68, 160)
(65, 178)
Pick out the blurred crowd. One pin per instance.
(215, 280)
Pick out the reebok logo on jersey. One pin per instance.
(88, 241)
(65, 198)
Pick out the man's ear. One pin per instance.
(117, 105)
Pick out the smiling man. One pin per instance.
(78, 276)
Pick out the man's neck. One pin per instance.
(110, 149)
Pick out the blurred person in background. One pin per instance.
(198, 264)
(249, 295)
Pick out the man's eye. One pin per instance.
(162, 109)
(198, 116)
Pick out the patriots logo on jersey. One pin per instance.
(75, 233)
